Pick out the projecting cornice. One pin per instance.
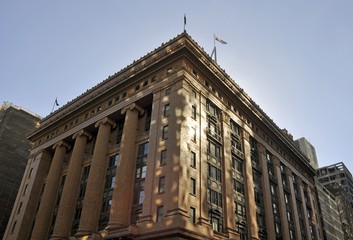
(178, 44)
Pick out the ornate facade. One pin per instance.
(168, 148)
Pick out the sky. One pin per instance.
(293, 58)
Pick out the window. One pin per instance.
(192, 215)
(141, 197)
(193, 159)
(153, 79)
(169, 70)
(217, 224)
(13, 227)
(19, 208)
(159, 216)
(165, 132)
(161, 184)
(25, 190)
(167, 91)
(214, 150)
(124, 94)
(193, 186)
(113, 161)
(237, 165)
(214, 172)
(193, 112)
(193, 132)
(240, 210)
(141, 161)
(166, 110)
(238, 186)
(214, 197)
(30, 173)
(163, 157)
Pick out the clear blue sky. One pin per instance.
(294, 58)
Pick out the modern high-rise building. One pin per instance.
(170, 147)
(305, 146)
(339, 181)
(329, 214)
(329, 209)
(15, 124)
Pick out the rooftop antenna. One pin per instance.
(214, 51)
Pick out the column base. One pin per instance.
(120, 231)
(92, 236)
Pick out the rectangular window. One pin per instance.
(161, 184)
(193, 159)
(192, 215)
(163, 157)
(19, 208)
(159, 216)
(30, 173)
(13, 227)
(169, 70)
(193, 112)
(193, 186)
(25, 190)
(141, 197)
(166, 110)
(214, 150)
(165, 132)
(167, 91)
(214, 172)
(193, 132)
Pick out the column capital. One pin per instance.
(106, 120)
(131, 107)
(62, 143)
(261, 148)
(82, 133)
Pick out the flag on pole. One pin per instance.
(220, 40)
(184, 21)
(56, 102)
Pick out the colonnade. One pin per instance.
(88, 225)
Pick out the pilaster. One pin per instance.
(249, 189)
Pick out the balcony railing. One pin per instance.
(237, 152)
(215, 135)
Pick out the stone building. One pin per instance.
(15, 124)
(170, 147)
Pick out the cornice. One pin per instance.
(182, 41)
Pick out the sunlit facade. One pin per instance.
(168, 148)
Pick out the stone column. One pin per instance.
(120, 210)
(270, 227)
(281, 202)
(249, 190)
(305, 212)
(228, 192)
(95, 183)
(294, 205)
(47, 204)
(68, 200)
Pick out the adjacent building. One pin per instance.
(338, 180)
(329, 214)
(15, 124)
(305, 146)
(170, 147)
